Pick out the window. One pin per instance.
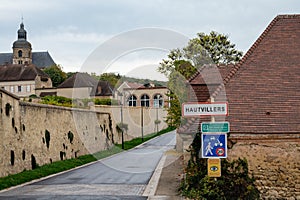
(145, 101)
(132, 101)
(20, 62)
(28, 88)
(158, 101)
(19, 88)
(20, 53)
(11, 88)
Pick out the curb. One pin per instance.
(153, 183)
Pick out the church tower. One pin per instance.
(22, 48)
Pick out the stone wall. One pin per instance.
(132, 116)
(273, 160)
(275, 164)
(33, 133)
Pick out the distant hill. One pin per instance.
(143, 81)
(116, 79)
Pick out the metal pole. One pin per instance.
(122, 130)
(156, 120)
(142, 123)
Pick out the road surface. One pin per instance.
(122, 176)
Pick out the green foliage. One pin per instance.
(181, 64)
(121, 126)
(59, 166)
(56, 74)
(116, 79)
(69, 74)
(112, 78)
(157, 121)
(57, 100)
(174, 111)
(33, 96)
(234, 183)
(219, 47)
(106, 101)
(137, 141)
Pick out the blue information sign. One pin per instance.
(214, 145)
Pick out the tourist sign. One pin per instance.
(214, 167)
(205, 108)
(214, 145)
(215, 127)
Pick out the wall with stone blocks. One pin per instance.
(132, 116)
(273, 160)
(275, 165)
(33, 133)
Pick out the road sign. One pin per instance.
(214, 167)
(206, 108)
(214, 145)
(215, 127)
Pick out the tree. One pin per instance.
(56, 74)
(181, 64)
(218, 47)
(112, 78)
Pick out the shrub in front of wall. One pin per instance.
(234, 183)
(106, 102)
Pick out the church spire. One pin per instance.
(22, 34)
(21, 47)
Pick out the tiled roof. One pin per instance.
(134, 85)
(42, 59)
(263, 90)
(105, 89)
(210, 74)
(79, 80)
(20, 72)
(6, 58)
(39, 59)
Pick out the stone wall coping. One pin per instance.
(23, 103)
(9, 94)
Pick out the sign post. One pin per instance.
(214, 137)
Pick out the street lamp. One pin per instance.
(122, 126)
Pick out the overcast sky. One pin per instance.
(72, 29)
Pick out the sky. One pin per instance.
(131, 37)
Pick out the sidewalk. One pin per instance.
(166, 179)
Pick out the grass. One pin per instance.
(136, 141)
(59, 166)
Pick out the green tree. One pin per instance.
(112, 78)
(56, 74)
(181, 64)
(218, 47)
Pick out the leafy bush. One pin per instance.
(121, 126)
(57, 100)
(234, 183)
(106, 102)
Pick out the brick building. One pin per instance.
(263, 94)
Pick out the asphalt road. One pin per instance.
(122, 176)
